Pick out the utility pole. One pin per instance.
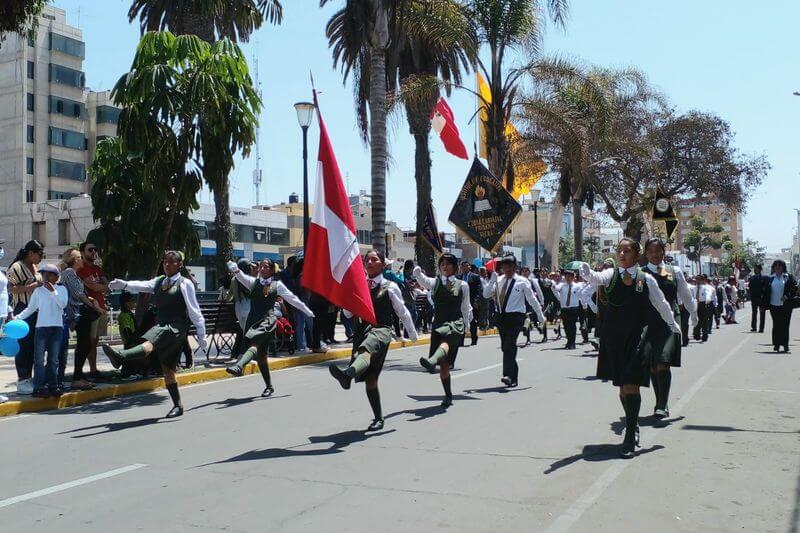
(257, 176)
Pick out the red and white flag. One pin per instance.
(444, 123)
(333, 267)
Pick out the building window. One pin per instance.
(67, 76)
(68, 108)
(39, 232)
(279, 236)
(31, 136)
(364, 236)
(108, 114)
(63, 232)
(31, 39)
(66, 45)
(30, 102)
(66, 169)
(31, 70)
(29, 196)
(67, 139)
(58, 195)
(29, 165)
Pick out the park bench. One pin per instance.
(221, 328)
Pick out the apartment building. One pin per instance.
(712, 211)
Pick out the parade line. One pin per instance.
(75, 398)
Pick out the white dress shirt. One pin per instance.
(571, 291)
(654, 293)
(587, 292)
(428, 283)
(287, 295)
(708, 294)
(516, 296)
(50, 306)
(777, 286)
(399, 306)
(685, 295)
(189, 297)
(537, 289)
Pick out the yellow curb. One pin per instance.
(72, 399)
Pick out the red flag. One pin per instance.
(333, 267)
(444, 123)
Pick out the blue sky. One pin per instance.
(734, 58)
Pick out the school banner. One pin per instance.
(664, 212)
(430, 232)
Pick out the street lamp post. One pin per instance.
(535, 193)
(691, 251)
(305, 114)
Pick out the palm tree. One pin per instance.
(234, 20)
(434, 40)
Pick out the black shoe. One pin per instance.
(595, 345)
(113, 356)
(339, 375)
(628, 448)
(474, 342)
(752, 330)
(506, 381)
(785, 349)
(234, 370)
(430, 367)
(513, 384)
(40, 393)
(57, 392)
(175, 412)
(447, 402)
(376, 425)
(776, 348)
(269, 391)
(761, 331)
(661, 414)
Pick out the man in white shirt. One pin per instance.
(570, 298)
(510, 291)
(706, 297)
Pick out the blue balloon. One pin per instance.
(9, 347)
(16, 329)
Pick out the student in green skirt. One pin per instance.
(633, 302)
(262, 323)
(371, 341)
(662, 346)
(176, 305)
(452, 313)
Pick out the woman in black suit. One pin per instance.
(779, 293)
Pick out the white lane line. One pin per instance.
(7, 418)
(69, 485)
(757, 390)
(484, 369)
(573, 513)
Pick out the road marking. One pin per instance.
(461, 375)
(573, 513)
(7, 418)
(69, 485)
(757, 390)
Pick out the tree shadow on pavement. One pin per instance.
(112, 427)
(596, 453)
(730, 429)
(338, 442)
(235, 402)
(500, 390)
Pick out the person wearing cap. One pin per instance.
(511, 292)
(635, 303)
(261, 322)
(48, 302)
(176, 305)
(452, 312)
(662, 346)
(569, 293)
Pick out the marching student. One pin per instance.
(176, 304)
(473, 281)
(511, 291)
(549, 303)
(706, 297)
(662, 346)
(371, 342)
(570, 300)
(262, 323)
(634, 302)
(780, 291)
(452, 312)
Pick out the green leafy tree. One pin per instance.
(592, 246)
(189, 107)
(702, 237)
(229, 21)
(17, 16)
(566, 249)
(748, 254)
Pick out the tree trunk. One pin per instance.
(422, 176)
(377, 123)
(634, 228)
(553, 234)
(577, 228)
(223, 235)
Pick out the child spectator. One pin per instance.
(127, 325)
(50, 301)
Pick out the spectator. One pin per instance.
(302, 325)
(23, 279)
(96, 283)
(81, 311)
(48, 302)
(125, 321)
(6, 311)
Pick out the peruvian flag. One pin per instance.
(444, 123)
(333, 267)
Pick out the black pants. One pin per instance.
(759, 310)
(83, 344)
(510, 325)
(781, 318)
(569, 317)
(473, 325)
(705, 315)
(684, 325)
(24, 358)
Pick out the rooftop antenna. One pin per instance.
(257, 176)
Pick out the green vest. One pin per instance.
(446, 303)
(262, 302)
(170, 305)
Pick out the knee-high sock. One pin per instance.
(446, 384)
(175, 394)
(247, 356)
(654, 380)
(664, 379)
(137, 352)
(359, 365)
(437, 355)
(263, 366)
(633, 402)
(374, 397)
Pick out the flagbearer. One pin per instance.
(452, 312)
(371, 342)
(510, 291)
(662, 346)
(634, 302)
(176, 304)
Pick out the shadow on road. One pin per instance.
(338, 442)
(115, 405)
(618, 427)
(586, 378)
(500, 390)
(729, 429)
(595, 453)
(112, 427)
(235, 402)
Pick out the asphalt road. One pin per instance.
(541, 457)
